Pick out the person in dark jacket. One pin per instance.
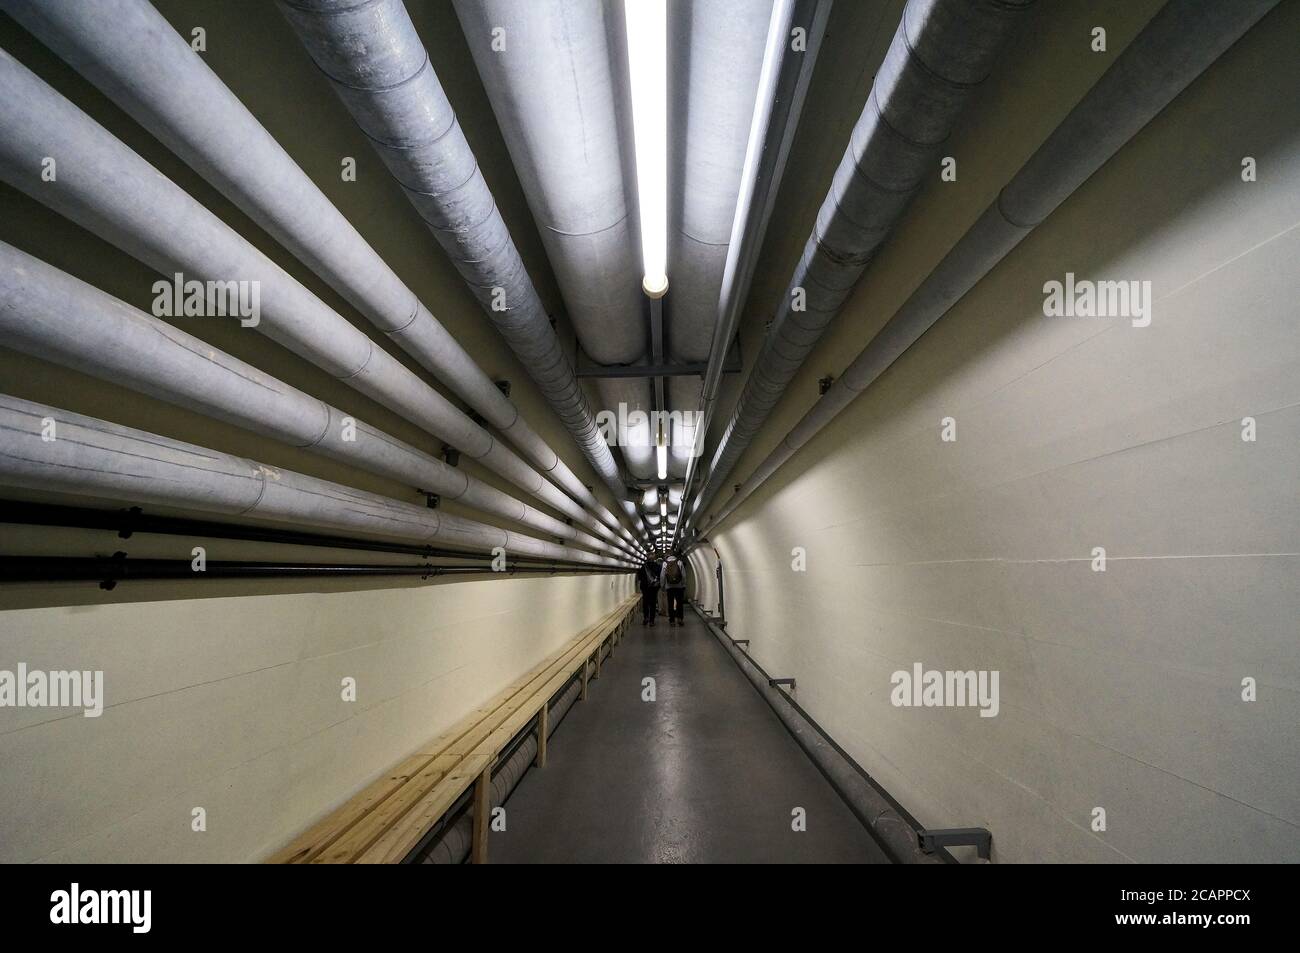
(647, 578)
(673, 579)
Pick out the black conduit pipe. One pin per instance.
(887, 822)
(128, 522)
(109, 570)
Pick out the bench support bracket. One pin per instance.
(542, 717)
(482, 820)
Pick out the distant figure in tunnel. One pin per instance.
(648, 579)
(673, 580)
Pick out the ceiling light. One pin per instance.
(647, 59)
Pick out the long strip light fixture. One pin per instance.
(647, 56)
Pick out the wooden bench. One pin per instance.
(386, 820)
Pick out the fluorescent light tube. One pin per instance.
(647, 57)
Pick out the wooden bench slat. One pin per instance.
(387, 818)
(334, 825)
(325, 831)
(400, 839)
(371, 828)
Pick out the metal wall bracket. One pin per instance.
(128, 522)
(744, 642)
(774, 682)
(450, 455)
(431, 500)
(978, 837)
(117, 562)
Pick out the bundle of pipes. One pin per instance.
(559, 108)
(1175, 47)
(229, 148)
(54, 316)
(558, 100)
(783, 87)
(48, 449)
(110, 190)
(730, 45)
(941, 52)
(381, 72)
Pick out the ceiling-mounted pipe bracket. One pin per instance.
(585, 367)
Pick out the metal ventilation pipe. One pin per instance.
(96, 458)
(783, 87)
(724, 64)
(131, 53)
(558, 92)
(380, 70)
(560, 106)
(942, 50)
(1175, 47)
(105, 187)
(52, 315)
(713, 112)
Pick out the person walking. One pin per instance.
(647, 578)
(673, 580)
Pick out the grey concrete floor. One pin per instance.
(705, 773)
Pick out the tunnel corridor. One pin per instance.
(723, 786)
(368, 366)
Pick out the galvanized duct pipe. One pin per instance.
(712, 110)
(557, 100)
(452, 845)
(712, 114)
(52, 315)
(942, 50)
(131, 53)
(891, 829)
(1178, 44)
(95, 458)
(107, 188)
(380, 70)
(561, 107)
(783, 87)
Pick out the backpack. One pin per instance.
(674, 573)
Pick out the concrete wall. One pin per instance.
(1119, 690)
(234, 704)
